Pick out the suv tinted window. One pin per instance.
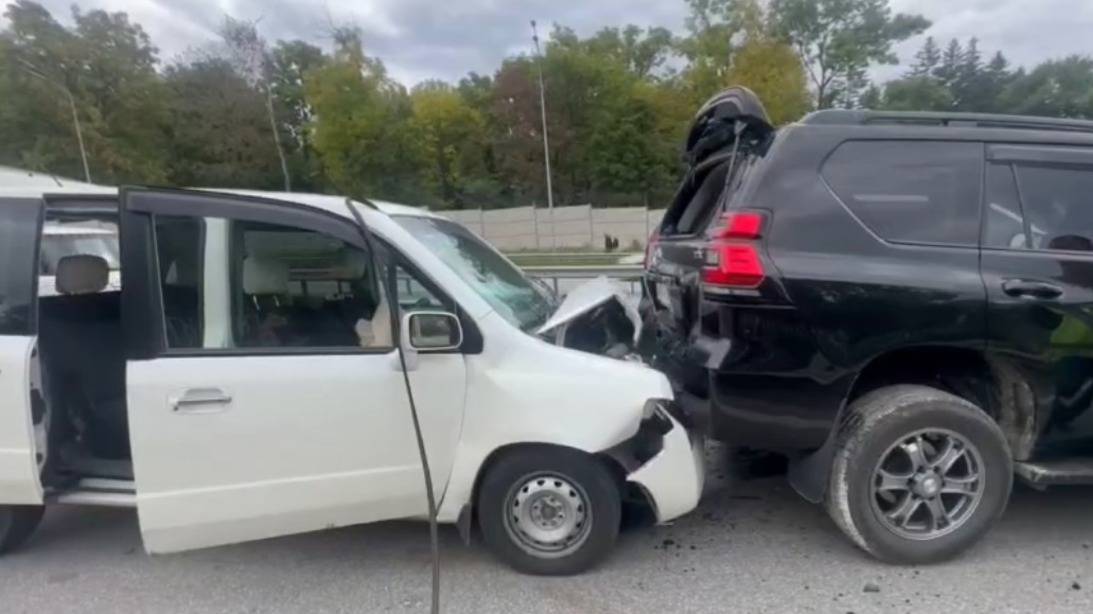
(705, 190)
(910, 191)
(1005, 225)
(18, 266)
(1058, 202)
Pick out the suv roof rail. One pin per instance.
(842, 117)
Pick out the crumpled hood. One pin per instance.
(590, 295)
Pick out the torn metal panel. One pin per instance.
(600, 317)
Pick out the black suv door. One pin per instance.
(1037, 263)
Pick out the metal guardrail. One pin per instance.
(623, 272)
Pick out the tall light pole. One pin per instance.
(546, 140)
(34, 72)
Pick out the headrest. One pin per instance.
(354, 264)
(264, 276)
(82, 274)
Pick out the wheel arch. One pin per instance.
(995, 384)
(498, 455)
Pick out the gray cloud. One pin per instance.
(422, 39)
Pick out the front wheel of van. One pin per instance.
(920, 474)
(17, 522)
(549, 511)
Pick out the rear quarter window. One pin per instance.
(910, 191)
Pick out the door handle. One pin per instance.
(200, 400)
(1031, 289)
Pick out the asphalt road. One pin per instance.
(752, 546)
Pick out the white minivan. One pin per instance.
(244, 382)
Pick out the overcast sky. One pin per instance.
(423, 39)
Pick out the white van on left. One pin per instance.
(254, 387)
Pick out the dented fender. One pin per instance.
(523, 390)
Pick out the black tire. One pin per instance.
(875, 425)
(587, 474)
(17, 522)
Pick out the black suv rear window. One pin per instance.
(910, 191)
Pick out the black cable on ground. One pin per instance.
(392, 297)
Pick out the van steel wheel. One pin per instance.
(920, 474)
(549, 511)
(547, 515)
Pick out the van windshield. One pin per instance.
(495, 279)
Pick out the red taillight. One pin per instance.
(743, 225)
(732, 256)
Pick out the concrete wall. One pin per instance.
(579, 227)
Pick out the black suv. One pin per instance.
(900, 302)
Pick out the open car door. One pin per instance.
(257, 407)
(22, 410)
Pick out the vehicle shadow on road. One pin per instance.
(751, 535)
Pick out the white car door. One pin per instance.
(21, 427)
(254, 410)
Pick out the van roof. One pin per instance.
(326, 202)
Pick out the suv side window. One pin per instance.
(1004, 221)
(19, 228)
(1058, 202)
(910, 191)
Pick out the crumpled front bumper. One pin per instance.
(674, 477)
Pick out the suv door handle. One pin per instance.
(1031, 289)
(199, 400)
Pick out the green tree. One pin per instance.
(362, 128)
(949, 69)
(108, 65)
(1055, 88)
(453, 138)
(926, 59)
(643, 53)
(219, 130)
(839, 39)
(917, 93)
(774, 72)
(248, 53)
(290, 64)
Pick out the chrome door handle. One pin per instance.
(1031, 289)
(199, 400)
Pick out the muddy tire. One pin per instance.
(549, 511)
(919, 474)
(17, 522)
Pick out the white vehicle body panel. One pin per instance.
(19, 481)
(313, 441)
(306, 443)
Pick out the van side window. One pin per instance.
(232, 285)
(297, 288)
(910, 191)
(179, 247)
(18, 253)
(1005, 224)
(1058, 202)
(415, 296)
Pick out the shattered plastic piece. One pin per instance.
(590, 295)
